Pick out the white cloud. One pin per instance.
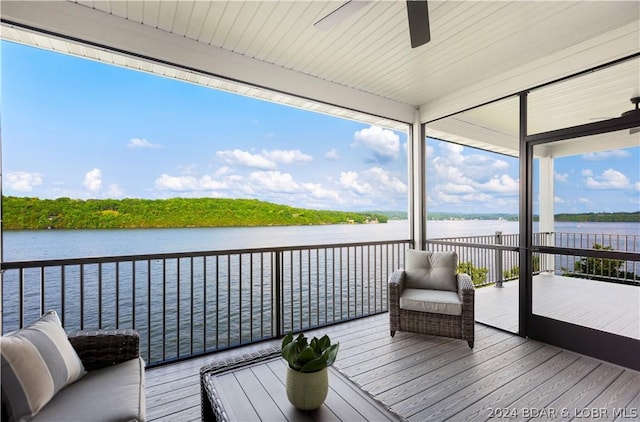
(273, 181)
(350, 180)
(456, 188)
(583, 200)
(558, 200)
(384, 180)
(606, 155)
(93, 180)
(383, 142)
(478, 197)
(374, 183)
(429, 151)
(142, 143)
(451, 165)
(115, 191)
(317, 191)
(247, 159)
(470, 180)
(188, 183)
(332, 155)
(23, 181)
(610, 179)
(587, 172)
(561, 177)
(287, 156)
(501, 184)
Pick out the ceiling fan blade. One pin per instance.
(340, 14)
(418, 12)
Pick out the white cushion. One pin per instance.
(433, 301)
(431, 270)
(37, 362)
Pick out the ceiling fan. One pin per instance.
(417, 13)
(633, 112)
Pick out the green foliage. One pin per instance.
(64, 213)
(601, 217)
(303, 356)
(478, 274)
(514, 272)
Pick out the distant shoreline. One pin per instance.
(598, 217)
(23, 213)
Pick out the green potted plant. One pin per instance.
(307, 377)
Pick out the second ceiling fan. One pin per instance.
(417, 13)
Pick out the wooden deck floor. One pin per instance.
(430, 378)
(603, 306)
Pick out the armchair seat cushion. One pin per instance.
(432, 301)
(113, 393)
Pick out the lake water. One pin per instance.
(53, 244)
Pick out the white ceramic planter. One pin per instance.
(307, 390)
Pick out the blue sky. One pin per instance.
(82, 129)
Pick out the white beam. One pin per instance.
(83, 23)
(608, 47)
(455, 129)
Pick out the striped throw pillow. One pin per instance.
(37, 362)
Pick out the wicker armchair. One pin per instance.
(430, 297)
(101, 348)
(112, 388)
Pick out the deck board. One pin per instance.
(603, 306)
(424, 377)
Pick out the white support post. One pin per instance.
(417, 188)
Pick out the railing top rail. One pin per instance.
(173, 255)
(473, 245)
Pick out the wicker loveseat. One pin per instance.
(43, 381)
(430, 297)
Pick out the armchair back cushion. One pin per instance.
(37, 362)
(431, 270)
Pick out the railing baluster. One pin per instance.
(99, 295)
(164, 309)
(133, 294)
(276, 283)
(309, 282)
(204, 303)
(178, 307)
(21, 299)
(117, 283)
(149, 310)
(62, 289)
(217, 301)
(192, 307)
(82, 296)
(42, 291)
(228, 300)
(299, 285)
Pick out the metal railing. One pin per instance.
(187, 304)
(495, 257)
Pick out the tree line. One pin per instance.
(22, 213)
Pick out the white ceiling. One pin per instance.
(480, 51)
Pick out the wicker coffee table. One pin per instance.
(251, 388)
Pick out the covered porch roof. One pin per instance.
(364, 68)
